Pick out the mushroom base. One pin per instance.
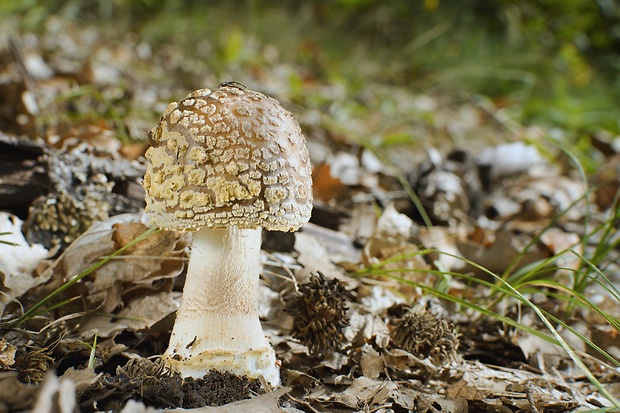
(252, 364)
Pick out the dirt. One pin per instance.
(150, 383)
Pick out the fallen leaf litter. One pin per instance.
(130, 302)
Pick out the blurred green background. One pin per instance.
(549, 62)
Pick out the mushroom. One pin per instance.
(225, 164)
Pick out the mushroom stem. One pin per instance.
(217, 326)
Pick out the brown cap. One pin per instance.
(230, 156)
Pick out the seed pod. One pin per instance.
(426, 335)
(320, 313)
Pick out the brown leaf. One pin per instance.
(499, 254)
(150, 265)
(372, 363)
(7, 354)
(81, 378)
(464, 390)
(156, 244)
(324, 185)
(139, 314)
(14, 394)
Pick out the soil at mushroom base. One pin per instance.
(143, 380)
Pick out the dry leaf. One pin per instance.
(371, 363)
(376, 330)
(376, 299)
(362, 223)
(7, 354)
(314, 257)
(604, 300)
(464, 390)
(334, 361)
(608, 182)
(500, 387)
(139, 314)
(324, 186)
(502, 252)
(17, 261)
(390, 248)
(566, 243)
(401, 360)
(81, 378)
(15, 395)
(345, 167)
(362, 392)
(442, 239)
(56, 396)
(607, 338)
(532, 200)
(338, 245)
(140, 267)
(150, 265)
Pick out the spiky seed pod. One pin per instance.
(319, 313)
(426, 335)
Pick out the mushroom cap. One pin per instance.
(227, 157)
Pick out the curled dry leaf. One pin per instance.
(363, 391)
(18, 260)
(144, 266)
(403, 361)
(7, 355)
(146, 271)
(367, 324)
(369, 328)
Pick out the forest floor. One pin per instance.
(469, 262)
